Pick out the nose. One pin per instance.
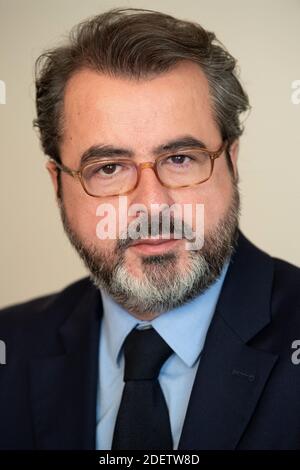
(150, 190)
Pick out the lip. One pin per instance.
(153, 246)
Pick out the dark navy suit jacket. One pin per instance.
(246, 393)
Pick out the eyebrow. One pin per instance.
(109, 151)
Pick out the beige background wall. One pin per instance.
(36, 257)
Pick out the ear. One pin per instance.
(52, 169)
(234, 152)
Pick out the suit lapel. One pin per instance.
(232, 374)
(63, 386)
(228, 384)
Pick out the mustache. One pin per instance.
(146, 227)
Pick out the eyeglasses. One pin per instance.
(119, 176)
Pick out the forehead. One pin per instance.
(141, 113)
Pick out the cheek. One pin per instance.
(217, 200)
(91, 218)
(215, 195)
(83, 220)
(81, 211)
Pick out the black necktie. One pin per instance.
(143, 420)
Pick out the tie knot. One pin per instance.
(145, 352)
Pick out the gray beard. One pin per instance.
(163, 285)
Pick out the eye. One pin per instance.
(103, 170)
(178, 159)
(108, 169)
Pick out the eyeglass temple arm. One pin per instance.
(219, 152)
(64, 168)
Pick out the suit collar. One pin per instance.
(231, 374)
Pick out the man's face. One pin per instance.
(140, 116)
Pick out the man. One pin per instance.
(167, 345)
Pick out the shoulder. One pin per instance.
(57, 305)
(283, 276)
(34, 328)
(284, 298)
(259, 288)
(286, 275)
(286, 287)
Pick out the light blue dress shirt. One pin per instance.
(183, 328)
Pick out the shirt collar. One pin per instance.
(183, 328)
